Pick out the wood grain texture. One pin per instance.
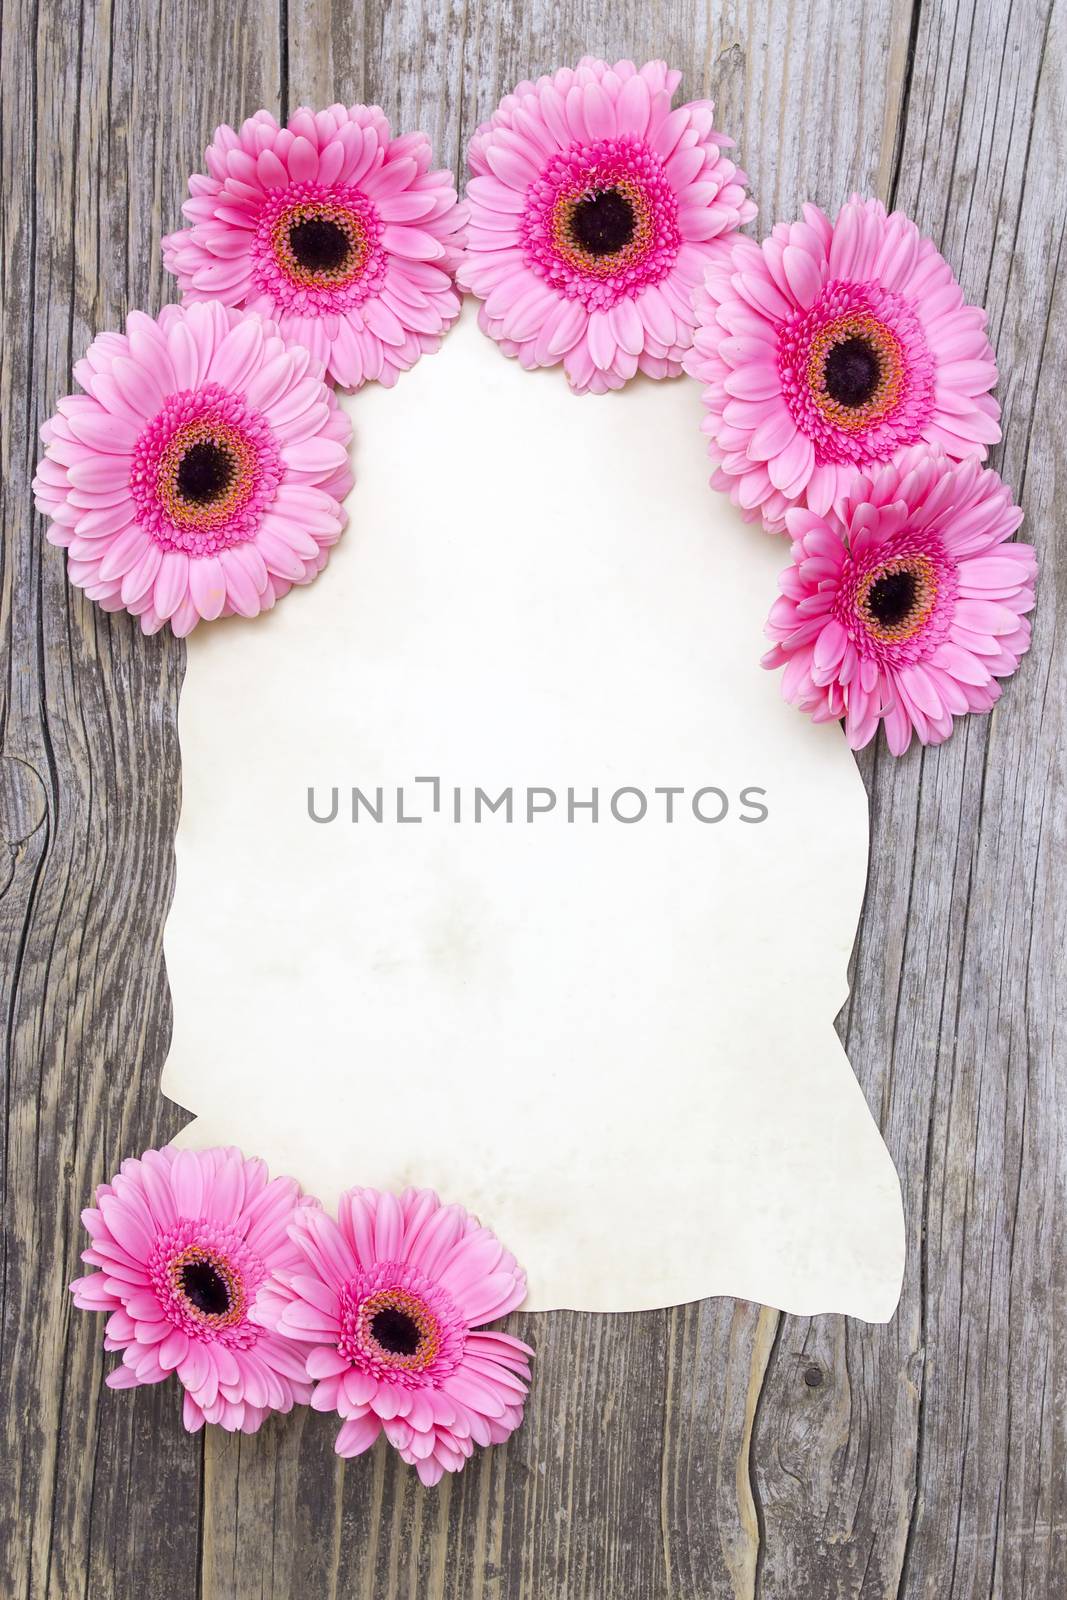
(716, 1449)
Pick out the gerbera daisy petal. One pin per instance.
(182, 1218)
(228, 422)
(902, 606)
(310, 224)
(594, 209)
(388, 1296)
(841, 326)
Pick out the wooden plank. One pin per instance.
(930, 1460)
(106, 107)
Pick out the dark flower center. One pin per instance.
(205, 472)
(603, 223)
(205, 1288)
(395, 1331)
(852, 372)
(891, 598)
(319, 245)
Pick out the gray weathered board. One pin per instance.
(714, 1450)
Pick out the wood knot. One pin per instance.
(23, 800)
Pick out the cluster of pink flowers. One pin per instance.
(258, 1300)
(203, 472)
(847, 403)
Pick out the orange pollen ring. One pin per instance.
(924, 576)
(196, 1255)
(410, 1307)
(346, 271)
(202, 515)
(605, 266)
(885, 346)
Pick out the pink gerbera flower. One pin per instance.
(595, 209)
(338, 232)
(203, 472)
(185, 1241)
(392, 1297)
(828, 349)
(907, 605)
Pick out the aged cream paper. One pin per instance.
(612, 1040)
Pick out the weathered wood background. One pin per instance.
(713, 1450)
